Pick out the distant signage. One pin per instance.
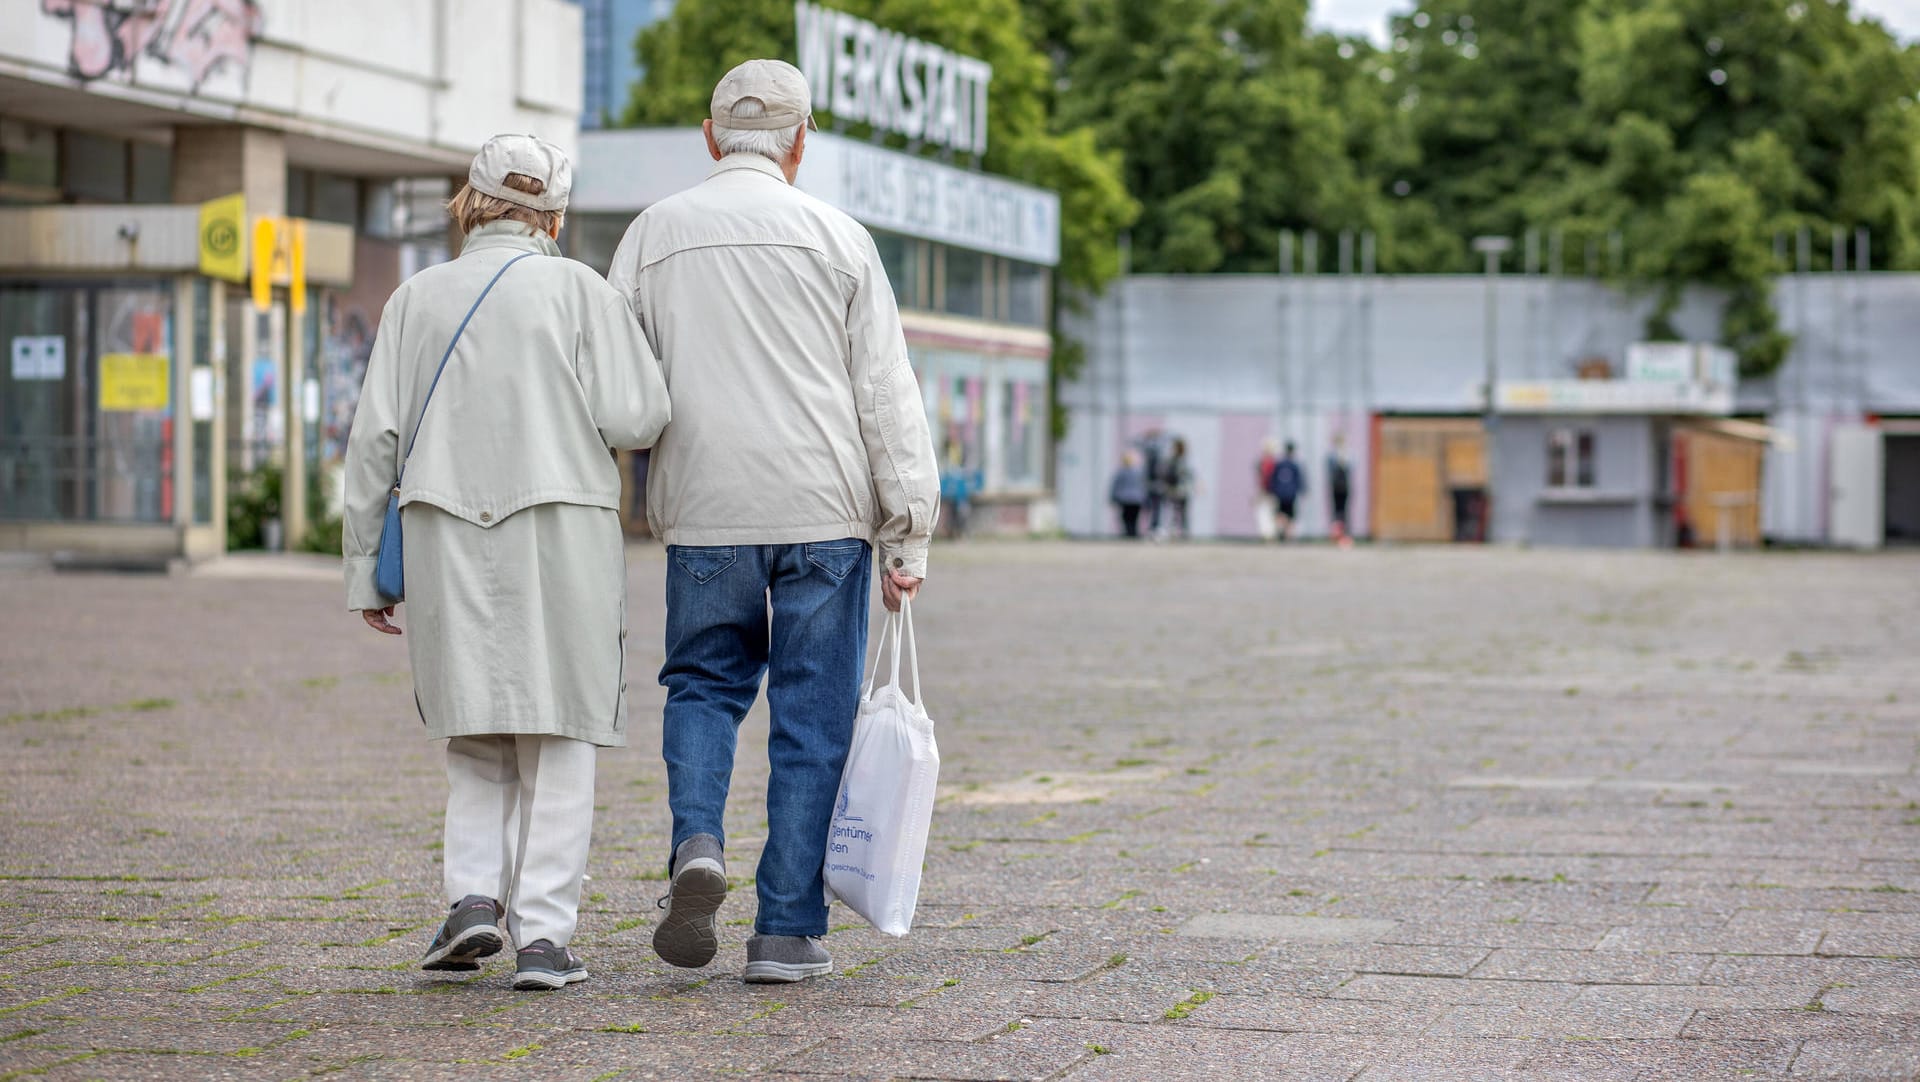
(39, 357)
(134, 382)
(1680, 362)
(915, 197)
(1615, 396)
(862, 73)
(223, 233)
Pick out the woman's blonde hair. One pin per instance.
(470, 209)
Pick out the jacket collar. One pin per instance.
(755, 162)
(505, 233)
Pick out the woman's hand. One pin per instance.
(377, 619)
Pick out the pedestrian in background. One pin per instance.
(1178, 484)
(1287, 483)
(1264, 507)
(957, 486)
(1129, 493)
(798, 443)
(1339, 489)
(497, 384)
(1153, 459)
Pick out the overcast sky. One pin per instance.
(1370, 16)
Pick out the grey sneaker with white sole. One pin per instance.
(470, 932)
(543, 967)
(688, 935)
(785, 959)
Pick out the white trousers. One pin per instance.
(519, 819)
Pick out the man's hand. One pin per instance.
(377, 619)
(896, 586)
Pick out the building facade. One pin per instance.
(609, 31)
(204, 205)
(1393, 371)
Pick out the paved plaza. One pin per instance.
(1207, 813)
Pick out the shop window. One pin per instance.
(1570, 458)
(966, 283)
(323, 197)
(1027, 300)
(901, 256)
(1024, 423)
(95, 167)
(152, 168)
(29, 163)
(335, 199)
(86, 419)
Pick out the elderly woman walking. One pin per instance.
(498, 384)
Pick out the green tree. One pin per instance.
(1233, 121)
(1694, 131)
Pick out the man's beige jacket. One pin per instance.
(551, 372)
(796, 417)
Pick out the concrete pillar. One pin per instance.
(212, 161)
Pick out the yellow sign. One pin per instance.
(297, 265)
(263, 250)
(134, 381)
(223, 230)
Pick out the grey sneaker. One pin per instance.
(689, 934)
(784, 959)
(543, 966)
(470, 932)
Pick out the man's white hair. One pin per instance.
(768, 144)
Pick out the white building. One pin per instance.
(144, 369)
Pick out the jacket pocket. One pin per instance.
(703, 562)
(837, 558)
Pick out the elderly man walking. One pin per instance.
(798, 444)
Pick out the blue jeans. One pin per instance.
(720, 642)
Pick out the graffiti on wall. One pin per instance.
(111, 38)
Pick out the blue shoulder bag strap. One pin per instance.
(444, 357)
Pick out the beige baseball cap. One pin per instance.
(527, 154)
(778, 86)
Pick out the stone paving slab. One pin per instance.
(1206, 813)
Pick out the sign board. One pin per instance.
(134, 382)
(1660, 362)
(915, 197)
(1614, 396)
(1680, 362)
(223, 235)
(862, 73)
(201, 393)
(263, 248)
(39, 357)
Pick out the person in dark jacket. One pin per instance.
(1287, 484)
(1129, 493)
(1339, 491)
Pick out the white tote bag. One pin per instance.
(885, 808)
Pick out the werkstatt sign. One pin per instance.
(223, 230)
(860, 72)
(134, 382)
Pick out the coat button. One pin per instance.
(486, 516)
(898, 562)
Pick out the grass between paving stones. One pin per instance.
(1187, 1006)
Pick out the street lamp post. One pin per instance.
(1493, 248)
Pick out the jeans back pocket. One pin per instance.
(703, 562)
(837, 558)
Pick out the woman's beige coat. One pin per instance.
(516, 584)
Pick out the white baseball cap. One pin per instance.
(528, 155)
(779, 87)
